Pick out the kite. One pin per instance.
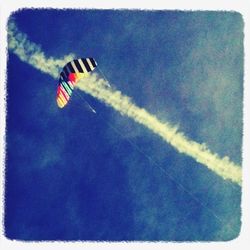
(72, 72)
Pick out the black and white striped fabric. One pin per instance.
(81, 65)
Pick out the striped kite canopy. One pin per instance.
(72, 72)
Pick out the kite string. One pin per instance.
(169, 176)
(107, 81)
(150, 159)
(87, 105)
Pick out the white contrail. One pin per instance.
(31, 53)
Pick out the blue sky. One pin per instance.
(71, 176)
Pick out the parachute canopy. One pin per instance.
(72, 72)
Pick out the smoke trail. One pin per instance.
(31, 53)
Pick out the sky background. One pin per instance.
(71, 176)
